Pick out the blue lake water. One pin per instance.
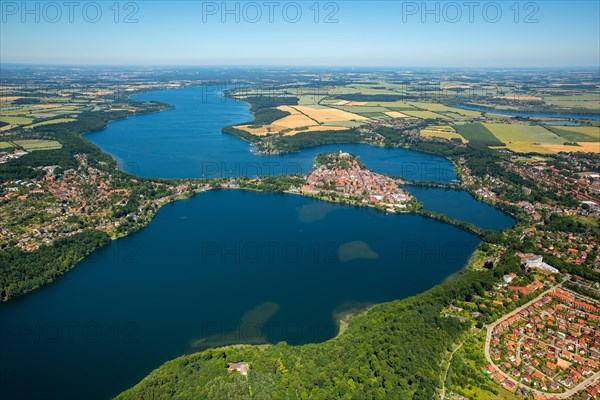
(460, 205)
(225, 266)
(186, 142)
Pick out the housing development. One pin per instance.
(550, 347)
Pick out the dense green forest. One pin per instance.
(244, 135)
(265, 116)
(293, 144)
(393, 351)
(23, 271)
(260, 102)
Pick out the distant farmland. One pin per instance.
(577, 133)
(478, 133)
(35, 144)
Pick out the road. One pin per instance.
(448, 367)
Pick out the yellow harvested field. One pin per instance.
(586, 147)
(46, 105)
(341, 103)
(357, 103)
(294, 121)
(520, 147)
(273, 129)
(329, 114)
(261, 131)
(289, 109)
(298, 122)
(396, 114)
(426, 114)
(442, 134)
(10, 98)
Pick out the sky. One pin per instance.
(466, 33)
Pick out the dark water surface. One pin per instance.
(225, 266)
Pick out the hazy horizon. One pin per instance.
(383, 34)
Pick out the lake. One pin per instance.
(460, 205)
(186, 142)
(225, 266)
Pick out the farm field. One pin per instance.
(445, 109)
(532, 138)
(329, 114)
(306, 119)
(316, 128)
(34, 144)
(52, 121)
(6, 145)
(442, 133)
(577, 133)
(400, 105)
(348, 124)
(426, 114)
(587, 100)
(521, 134)
(362, 109)
(13, 120)
(477, 132)
(396, 114)
(587, 147)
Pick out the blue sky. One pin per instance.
(358, 33)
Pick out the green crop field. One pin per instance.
(393, 105)
(445, 109)
(31, 145)
(349, 124)
(425, 114)
(52, 121)
(16, 120)
(577, 133)
(520, 133)
(6, 145)
(476, 132)
(374, 115)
